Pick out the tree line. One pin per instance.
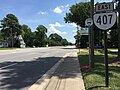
(11, 29)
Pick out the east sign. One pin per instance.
(103, 7)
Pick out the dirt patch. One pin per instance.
(83, 50)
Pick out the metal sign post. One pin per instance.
(104, 19)
(106, 60)
(92, 36)
(89, 23)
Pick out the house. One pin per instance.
(3, 44)
(22, 43)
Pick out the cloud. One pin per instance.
(67, 5)
(60, 9)
(64, 32)
(55, 25)
(42, 13)
(52, 29)
(73, 24)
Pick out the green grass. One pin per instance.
(7, 48)
(94, 78)
(112, 49)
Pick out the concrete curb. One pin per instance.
(44, 80)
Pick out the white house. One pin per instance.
(3, 44)
(22, 43)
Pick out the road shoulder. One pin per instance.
(64, 75)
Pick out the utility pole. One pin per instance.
(91, 46)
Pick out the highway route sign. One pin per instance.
(104, 21)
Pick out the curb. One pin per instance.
(44, 80)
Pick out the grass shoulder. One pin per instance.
(8, 48)
(94, 78)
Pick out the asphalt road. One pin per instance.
(21, 68)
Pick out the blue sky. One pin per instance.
(49, 13)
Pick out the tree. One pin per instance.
(64, 42)
(78, 13)
(28, 35)
(1, 35)
(114, 38)
(41, 35)
(52, 43)
(78, 38)
(10, 27)
(56, 39)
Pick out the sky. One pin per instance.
(49, 13)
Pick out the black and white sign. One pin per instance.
(104, 21)
(103, 7)
(88, 22)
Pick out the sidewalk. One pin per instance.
(66, 77)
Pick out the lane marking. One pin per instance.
(8, 66)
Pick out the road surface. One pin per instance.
(21, 68)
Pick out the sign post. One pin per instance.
(88, 23)
(104, 19)
(106, 60)
(92, 35)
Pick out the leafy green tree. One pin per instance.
(28, 35)
(114, 38)
(1, 35)
(64, 42)
(78, 13)
(55, 37)
(10, 27)
(78, 38)
(52, 43)
(98, 36)
(41, 35)
(57, 40)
